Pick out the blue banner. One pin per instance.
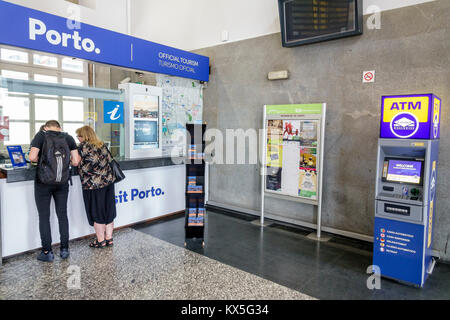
(37, 30)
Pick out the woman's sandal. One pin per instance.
(109, 242)
(96, 244)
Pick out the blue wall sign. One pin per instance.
(113, 112)
(37, 30)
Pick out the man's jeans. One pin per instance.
(43, 194)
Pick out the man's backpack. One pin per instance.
(54, 163)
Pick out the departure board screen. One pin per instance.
(305, 21)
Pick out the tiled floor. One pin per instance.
(139, 266)
(331, 270)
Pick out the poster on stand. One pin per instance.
(308, 159)
(293, 150)
(291, 131)
(307, 187)
(273, 179)
(308, 133)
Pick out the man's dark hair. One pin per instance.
(52, 123)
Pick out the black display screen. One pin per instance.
(307, 21)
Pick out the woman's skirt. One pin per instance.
(100, 205)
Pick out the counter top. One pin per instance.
(29, 173)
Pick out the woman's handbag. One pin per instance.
(115, 167)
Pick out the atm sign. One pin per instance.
(410, 117)
(417, 106)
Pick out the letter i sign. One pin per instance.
(368, 76)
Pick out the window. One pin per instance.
(73, 110)
(27, 112)
(70, 128)
(44, 78)
(13, 55)
(72, 82)
(46, 109)
(17, 107)
(73, 65)
(41, 60)
(14, 75)
(19, 133)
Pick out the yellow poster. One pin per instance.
(274, 156)
(274, 140)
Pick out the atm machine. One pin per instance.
(143, 120)
(405, 203)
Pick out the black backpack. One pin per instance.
(54, 163)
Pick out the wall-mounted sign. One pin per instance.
(113, 112)
(37, 30)
(410, 117)
(368, 76)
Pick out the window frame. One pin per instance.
(32, 69)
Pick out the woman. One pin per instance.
(97, 180)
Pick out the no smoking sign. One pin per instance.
(369, 76)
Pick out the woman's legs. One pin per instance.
(109, 231)
(100, 231)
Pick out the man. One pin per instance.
(59, 149)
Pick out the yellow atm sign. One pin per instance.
(410, 117)
(419, 106)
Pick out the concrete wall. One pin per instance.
(410, 54)
(195, 24)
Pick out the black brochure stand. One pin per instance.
(195, 183)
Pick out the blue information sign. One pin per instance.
(113, 112)
(37, 30)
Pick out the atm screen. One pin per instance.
(145, 134)
(404, 171)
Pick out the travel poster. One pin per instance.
(308, 133)
(308, 184)
(291, 130)
(308, 159)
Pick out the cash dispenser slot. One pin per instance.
(397, 209)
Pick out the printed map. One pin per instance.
(182, 103)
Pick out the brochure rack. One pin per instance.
(195, 183)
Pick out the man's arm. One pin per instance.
(34, 154)
(74, 158)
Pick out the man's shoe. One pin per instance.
(64, 253)
(46, 257)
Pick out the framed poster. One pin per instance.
(292, 155)
(293, 151)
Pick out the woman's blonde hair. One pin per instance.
(89, 136)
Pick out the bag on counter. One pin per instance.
(54, 162)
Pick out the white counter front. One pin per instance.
(144, 194)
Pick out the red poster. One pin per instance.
(4, 128)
